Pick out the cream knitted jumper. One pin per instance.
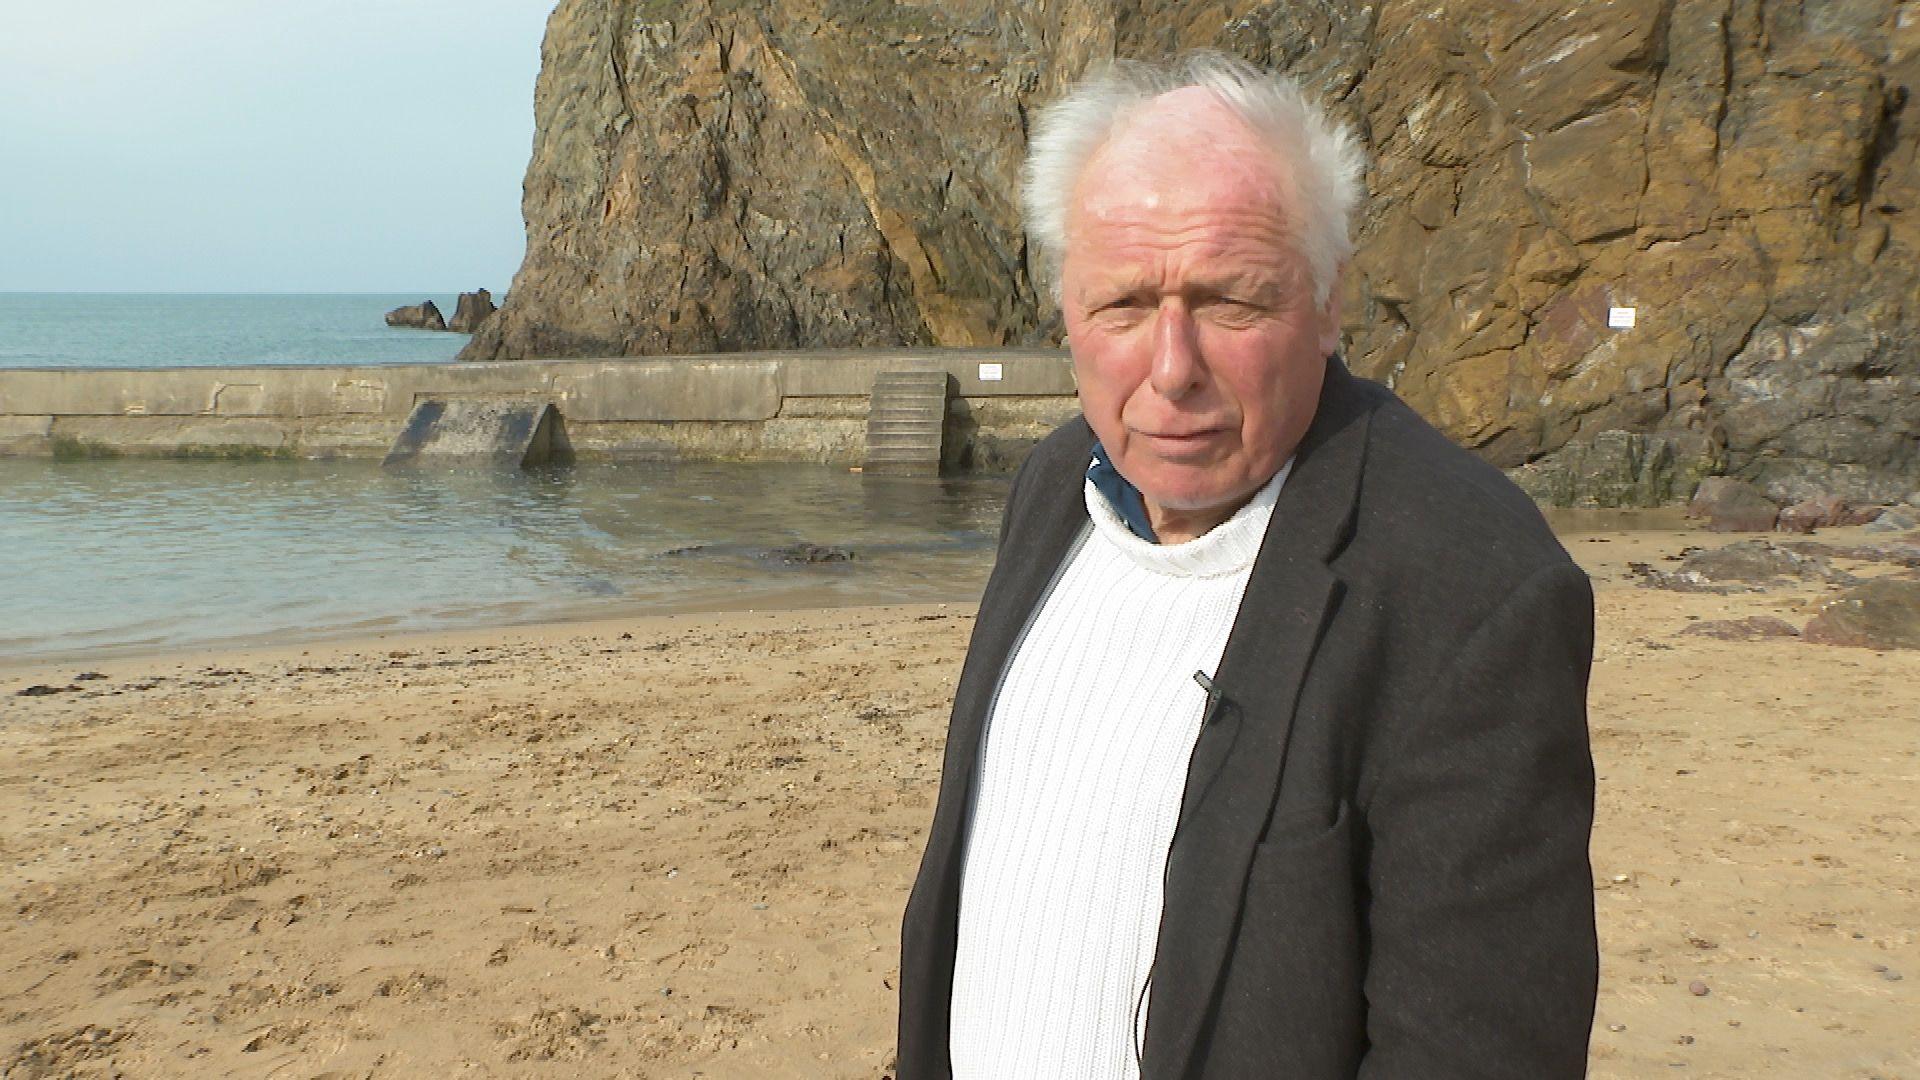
(1079, 790)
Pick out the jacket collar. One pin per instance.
(1120, 494)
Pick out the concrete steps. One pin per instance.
(515, 433)
(906, 419)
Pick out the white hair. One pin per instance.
(1321, 161)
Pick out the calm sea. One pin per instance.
(138, 330)
(138, 555)
(114, 556)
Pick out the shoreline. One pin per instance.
(675, 845)
(586, 621)
(1568, 524)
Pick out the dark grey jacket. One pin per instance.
(1381, 863)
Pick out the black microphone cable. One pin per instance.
(1215, 699)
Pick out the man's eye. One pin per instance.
(1234, 309)
(1123, 308)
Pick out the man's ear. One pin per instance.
(1330, 314)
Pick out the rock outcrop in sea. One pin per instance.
(424, 315)
(711, 175)
(471, 310)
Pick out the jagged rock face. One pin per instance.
(1735, 171)
(712, 175)
(717, 175)
(471, 310)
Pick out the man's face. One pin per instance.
(1196, 341)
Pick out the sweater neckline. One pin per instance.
(1227, 548)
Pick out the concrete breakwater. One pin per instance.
(768, 406)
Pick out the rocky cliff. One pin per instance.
(716, 175)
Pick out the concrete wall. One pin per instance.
(794, 406)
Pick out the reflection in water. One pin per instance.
(141, 554)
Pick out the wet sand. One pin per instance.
(679, 846)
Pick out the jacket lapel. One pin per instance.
(1033, 552)
(1040, 530)
(1234, 773)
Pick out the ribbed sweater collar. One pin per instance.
(1228, 548)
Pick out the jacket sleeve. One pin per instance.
(1483, 959)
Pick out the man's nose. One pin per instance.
(1177, 367)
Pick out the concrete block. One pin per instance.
(25, 427)
(263, 433)
(348, 436)
(359, 396)
(170, 436)
(1023, 373)
(239, 399)
(828, 441)
(26, 436)
(515, 433)
(671, 390)
(824, 408)
(852, 371)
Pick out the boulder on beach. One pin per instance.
(421, 316)
(1751, 628)
(1821, 512)
(472, 309)
(1899, 552)
(1880, 614)
(1760, 562)
(1896, 519)
(1745, 566)
(1731, 505)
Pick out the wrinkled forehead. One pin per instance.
(1183, 151)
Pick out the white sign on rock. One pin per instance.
(1621, 318)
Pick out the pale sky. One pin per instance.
(264, 145)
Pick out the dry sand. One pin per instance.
(679, 847)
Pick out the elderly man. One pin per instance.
(1269, 758)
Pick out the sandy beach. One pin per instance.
(679, 846)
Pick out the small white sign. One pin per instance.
(1621, 318)
(990, 373)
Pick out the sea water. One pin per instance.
(131, 555)
(133, 330)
